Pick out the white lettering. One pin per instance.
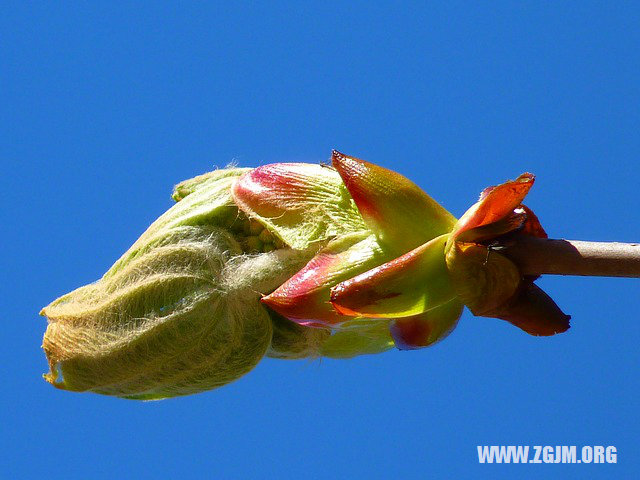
(611, 453)
(547, 454)
(598, 454)
(587, 454)
(538, 450)
(569, 454)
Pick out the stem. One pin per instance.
(537, 256)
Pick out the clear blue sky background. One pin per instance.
(104, 107)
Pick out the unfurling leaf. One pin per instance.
(179, 313)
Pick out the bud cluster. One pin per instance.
(291, 261)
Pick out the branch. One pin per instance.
(536, 256)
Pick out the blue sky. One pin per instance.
(105, 106)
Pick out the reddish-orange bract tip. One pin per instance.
(533, 311)
(301, 298)
(410, 333)
(496, 203)
(399, 212)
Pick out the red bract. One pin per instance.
(489, 283)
